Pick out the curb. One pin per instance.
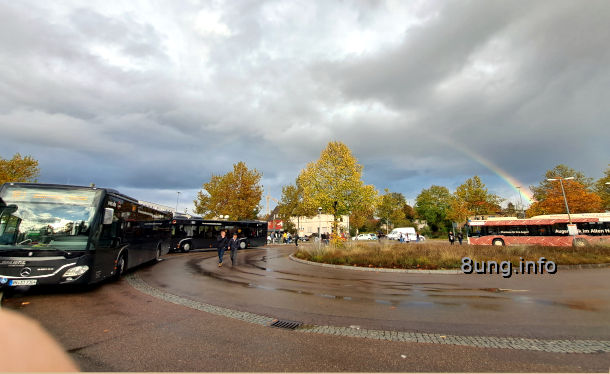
(423, 271)
(583, 266)
(378, 270)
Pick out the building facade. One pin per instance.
(309, 225)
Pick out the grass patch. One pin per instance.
(444, 256)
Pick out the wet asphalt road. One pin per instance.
(570, 304)
(114, 327)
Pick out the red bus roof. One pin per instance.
(523, 222)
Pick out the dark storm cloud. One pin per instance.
(544, 108)
(155, 99)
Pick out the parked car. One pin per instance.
(395, 234)
(408, 233)
(365, 237)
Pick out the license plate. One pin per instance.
(22, 282)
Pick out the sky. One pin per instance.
(154, 97)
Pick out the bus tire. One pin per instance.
(498, 242)
(121, 265)
(186, 247)
(579, 242)
(243, 244)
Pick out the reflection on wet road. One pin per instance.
(266, 281)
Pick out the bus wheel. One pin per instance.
(242, 244)
(120, 267)
(186, 247)
(498, 242)
(579, 242)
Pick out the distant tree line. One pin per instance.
(334, 183)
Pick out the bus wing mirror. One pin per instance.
(108, 214)
(10, 209)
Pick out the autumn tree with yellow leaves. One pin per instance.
(236, 194)
(391, 209)
(18, 169)
(334, 183)
(475, 197)
(291, 205)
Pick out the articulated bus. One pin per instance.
(196, 233)
(57, 234)
(552, 230)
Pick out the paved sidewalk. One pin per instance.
(556, 346)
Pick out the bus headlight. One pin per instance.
(76, 271)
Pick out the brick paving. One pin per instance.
(557, 346)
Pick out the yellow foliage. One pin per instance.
(334, 183)
(18, 169)
(236, 194)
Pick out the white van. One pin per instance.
(406, 232)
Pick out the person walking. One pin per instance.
(296, 239)
(233, 246)
(460, 237)
(451, 237)
(221, 245)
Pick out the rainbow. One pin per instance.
(512, 181)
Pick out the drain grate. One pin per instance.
(283, 324)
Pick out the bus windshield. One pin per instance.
(46, 219)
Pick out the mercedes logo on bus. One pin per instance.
(25, 272)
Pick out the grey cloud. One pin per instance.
(278, 87)
(137, 40)
(404, 77)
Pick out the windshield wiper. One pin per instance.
(53, 249)
(15, 249)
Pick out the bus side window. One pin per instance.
(200, 232)
(209, 233)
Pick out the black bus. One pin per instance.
(57, 234)
(195, 233)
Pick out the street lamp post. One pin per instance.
(608, 183)
(349, 232)
(319, 224)
(177, 200)
(387, 225)
(521, 202)
(273, 222)
(564, 194)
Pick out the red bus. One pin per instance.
(552, 230)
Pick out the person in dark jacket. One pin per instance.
(234, 246)
(451, 237)
(460, 237)
(221, 245)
